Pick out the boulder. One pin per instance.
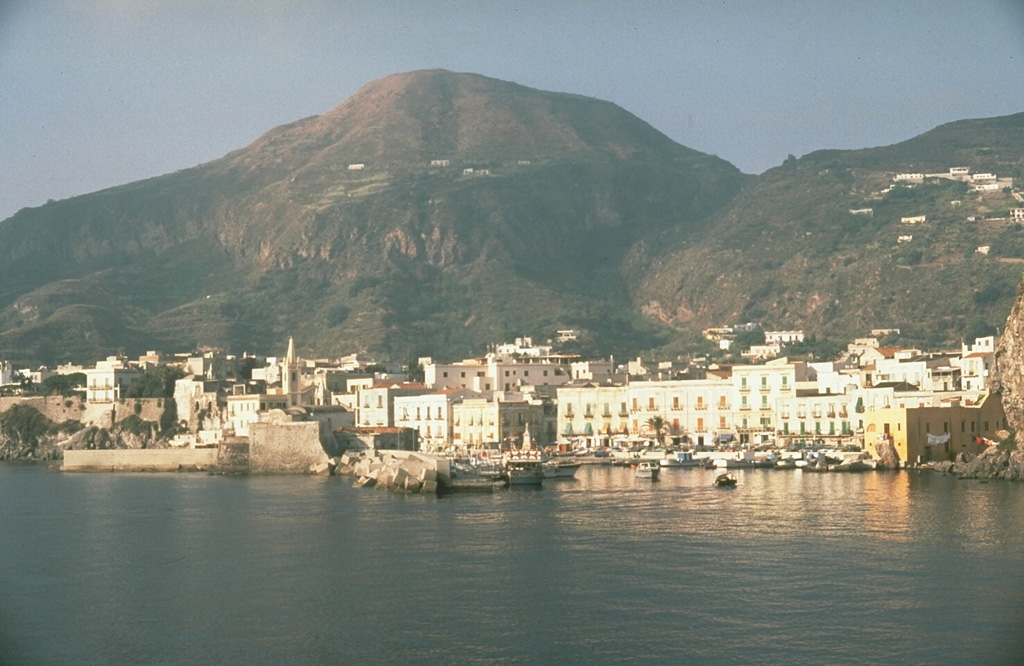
(888, 458)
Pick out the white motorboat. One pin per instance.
(646, 469)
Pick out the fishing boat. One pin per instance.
(647, 469)
(725, 481)
(524, 468)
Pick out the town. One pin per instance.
(928, 406)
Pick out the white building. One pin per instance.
(432, 414)
(108, 381)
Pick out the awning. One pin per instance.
(568, 429)
(587, 430)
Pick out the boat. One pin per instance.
(785, 463)
(686, 459)
(524, 468)
(560, 469)
(646, 469)
(670, 462)
(725, 481)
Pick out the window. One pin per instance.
(444, 374)
(675, 402)
(764, 381)
(650, 404)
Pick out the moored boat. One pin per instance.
(560, 469)
(524, 468)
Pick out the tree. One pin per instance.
(156, 384)
(657, 424)
(744, 340)
(64, 385)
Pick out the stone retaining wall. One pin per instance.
(140, 460)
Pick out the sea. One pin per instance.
(786, 568)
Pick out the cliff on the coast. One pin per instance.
(26, 434)
(1004, 460)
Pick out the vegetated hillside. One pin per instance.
(790, 252)
(363, 229)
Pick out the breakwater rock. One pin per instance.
(995, 462)
(401, 471)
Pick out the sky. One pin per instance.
(98, 93)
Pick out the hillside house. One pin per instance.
(913, 219)
(440, 163)
(356, 167)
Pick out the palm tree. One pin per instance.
(657, 424)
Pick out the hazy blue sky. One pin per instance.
(104, 92)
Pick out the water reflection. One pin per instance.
(885, 566)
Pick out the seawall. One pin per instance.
(140, 460)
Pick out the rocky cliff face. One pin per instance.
(1008, 365)
(1005, 460)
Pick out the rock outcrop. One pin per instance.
(402, 471)
(1005, 460)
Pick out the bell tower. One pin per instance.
(290, 384)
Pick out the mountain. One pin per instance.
(819, 243)
(434, 212)
(428, 214)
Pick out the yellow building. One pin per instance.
(926, 434)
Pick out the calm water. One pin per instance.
(788, 568)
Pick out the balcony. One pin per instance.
(701, 407)
(744, 389)
(766, 408)
(744, 408)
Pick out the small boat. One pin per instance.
(725, 481)
(785, 463)
(647, 470)
(560, 469)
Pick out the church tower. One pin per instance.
(290, 384)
